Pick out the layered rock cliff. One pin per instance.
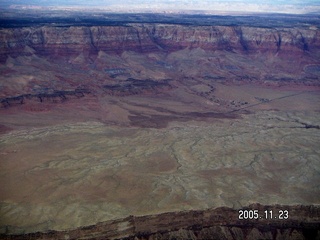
(154, 37)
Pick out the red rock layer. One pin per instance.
(154, 37)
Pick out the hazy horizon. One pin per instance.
(272, 6)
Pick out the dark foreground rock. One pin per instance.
(302, 222)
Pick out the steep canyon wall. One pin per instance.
(154, 37)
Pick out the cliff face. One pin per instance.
(154, 37)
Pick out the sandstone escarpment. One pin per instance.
(154, 37)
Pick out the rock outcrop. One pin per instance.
(56, 96)
(65, 41)
(303, 222)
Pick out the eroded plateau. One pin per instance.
(99, 123)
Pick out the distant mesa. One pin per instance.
(146, 38)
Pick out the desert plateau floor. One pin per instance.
(67, 175)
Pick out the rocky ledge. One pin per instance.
(54, 97)
(273, 222)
